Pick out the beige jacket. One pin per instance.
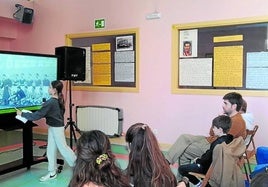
(225, 171)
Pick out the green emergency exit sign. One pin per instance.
(99, 23)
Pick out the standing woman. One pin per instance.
(53, 111)
(147, 165)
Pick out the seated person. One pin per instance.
(95, 164)
(220, 126)
(248, 117)
(147, 165)
(187, 146)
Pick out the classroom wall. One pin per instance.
(169, 115)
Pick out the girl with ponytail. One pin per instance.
(53, 111)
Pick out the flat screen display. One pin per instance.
(25, 79)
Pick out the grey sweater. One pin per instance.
(49, 110)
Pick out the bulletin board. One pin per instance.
(111, 60)
(216, 57)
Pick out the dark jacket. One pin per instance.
(206, 159)
(51, 111)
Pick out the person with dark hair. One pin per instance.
(187, 48)
(232, 103)
(188, 147)
(53, 111)
(220, 126)
(18, 97)
(147, 165)
(96, 164)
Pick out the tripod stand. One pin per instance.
(70, 122)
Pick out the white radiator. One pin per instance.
(106, 119)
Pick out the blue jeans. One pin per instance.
(185, 169)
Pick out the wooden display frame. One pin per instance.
(109, 49)
(244, 40)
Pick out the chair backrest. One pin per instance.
(262, 155)
(249, 141)
(250, 151)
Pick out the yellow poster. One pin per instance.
(101, 57)
(99, 69)
(101, 47)
(102, 80)
(228, 66)
(229, 38)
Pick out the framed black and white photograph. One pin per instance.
(124, 43)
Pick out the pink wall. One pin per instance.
(169, 114)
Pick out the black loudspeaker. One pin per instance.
(71, 63)
(27, 15)
(23, 14)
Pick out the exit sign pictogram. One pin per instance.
(99, 23)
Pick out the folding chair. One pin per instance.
(250, 150)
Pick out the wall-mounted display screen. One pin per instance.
(25, 79)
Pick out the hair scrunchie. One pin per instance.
(101, 158)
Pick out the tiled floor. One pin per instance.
(30, 178)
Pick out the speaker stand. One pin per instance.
(70, 122)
